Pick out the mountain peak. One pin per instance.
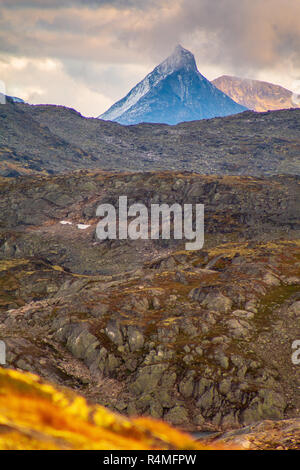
(173, 92)
(181, 52)
(180, 58)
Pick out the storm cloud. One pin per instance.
(106, 46)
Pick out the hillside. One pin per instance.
(53, 139)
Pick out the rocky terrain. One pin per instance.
(202, 339)
(266, 435)
(257, 95)
(53, 139)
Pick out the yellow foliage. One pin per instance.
(37, 415)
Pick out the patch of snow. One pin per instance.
(82, 226)
(65, 222)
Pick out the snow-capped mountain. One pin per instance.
(173, 92)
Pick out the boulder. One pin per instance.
(114, 332)
(217, 302)
(135, 339)
(177, 415)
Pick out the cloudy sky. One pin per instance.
(87, 54)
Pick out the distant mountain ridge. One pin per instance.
(54, 139)
(175, 91)
(255, 94)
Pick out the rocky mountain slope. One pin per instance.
(173, 92)
(257, 95)
(27, 146)
(200, 339)
(54, 139)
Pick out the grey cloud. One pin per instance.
(54, 4)
(244, 34)
(111, 80)
(96, 44)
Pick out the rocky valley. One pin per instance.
(201, 339)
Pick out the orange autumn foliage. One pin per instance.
(37, 415)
